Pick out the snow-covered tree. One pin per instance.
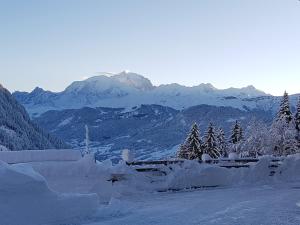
(257, 139)
(237, 133)
(297, 121)
(283, 130)
(284, 112)
(221, 142)
(210, 143)
(283, 138)
(192, 147)
(236, 138)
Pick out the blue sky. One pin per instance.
(223, 42)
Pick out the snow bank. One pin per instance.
(26, 199)
(24, 191)
(39, 156)
(289, 171)
(192, 174)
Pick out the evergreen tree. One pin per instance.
(210, 145)
(297, 121)
(284, 130)
(192, 147)
(236, 137)
(237, 133)
(183, 152)
(283, 136)
(221, 142)
(284, 112)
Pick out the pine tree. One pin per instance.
(210, 145)
(284, 109)
(183, 152)
(237, 133)
(283, 136)
(284, 130)
(297, 121)
(192, 147)
(221, 142)
(236, 137)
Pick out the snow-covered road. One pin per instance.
(265, 205)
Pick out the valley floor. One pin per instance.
(264, 205)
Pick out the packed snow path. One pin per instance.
(265, 205)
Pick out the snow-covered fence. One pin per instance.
(233, 163)
(27, 156)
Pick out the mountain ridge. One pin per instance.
(17, 131)
(128, 90)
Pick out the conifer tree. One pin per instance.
(236, 137)
(237, 133)
(284, 112)
(210, 145)
(297, 121)
(221, 142)
(192, 148)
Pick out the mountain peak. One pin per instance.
(135, 80)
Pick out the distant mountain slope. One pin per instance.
(126, 90)
(150, 130)
(17, 132)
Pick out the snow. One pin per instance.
(233, 156)
(264, 205)
(128, 90)
(245, 196)
(39, 155)
(26, 199)
(127, 155)
(65, 122)
(206, 157)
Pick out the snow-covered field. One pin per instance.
(80, 193)
(260, 205)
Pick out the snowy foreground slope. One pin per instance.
(264, 205)
(79, 192)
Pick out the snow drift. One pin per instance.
(26, 199)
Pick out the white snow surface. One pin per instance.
(263, 205)
(25, 156)
(56, 193)
(25, 199)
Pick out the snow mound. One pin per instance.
(195, 175)
(39, 155)
(26, 199)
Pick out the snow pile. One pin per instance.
(290, 169)
(26, 199)
(39, 155)
(193, 175)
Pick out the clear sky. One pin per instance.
(50, 43)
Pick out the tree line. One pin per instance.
(281, 138)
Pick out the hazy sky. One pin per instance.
(223, 42)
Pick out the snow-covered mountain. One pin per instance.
(127, 90)
(17, 132)
(151, 131)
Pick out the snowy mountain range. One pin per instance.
(17, 132)
(126, 110)
(128, 90)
